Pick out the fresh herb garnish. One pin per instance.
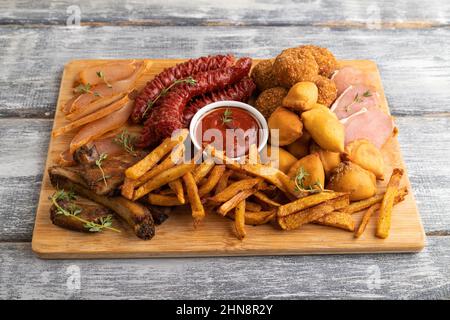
(358, 99)
(98, 163)
(316, 187)
(126, 140)
(227, 116)
(72, 210)
(81, 88)
(150, 104)
(101, 75)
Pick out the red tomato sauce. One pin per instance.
(229, 129)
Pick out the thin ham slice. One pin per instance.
(355, 98)
(347, 76)
(109, 72)
(373, 125)
(103, 90)
(99, 127)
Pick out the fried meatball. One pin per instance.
(327, 90)
(295, 65)
(269, 100)
(263, 76)
(324, 58)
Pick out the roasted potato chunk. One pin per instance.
(278, 158)
(289, 125)
(301, 96)
(300, 147)
(350, 177)
(366, 155)
(325, 129)
(330, 160)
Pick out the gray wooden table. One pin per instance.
(410, 41)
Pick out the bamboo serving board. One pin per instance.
(214, 237)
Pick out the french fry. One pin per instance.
(167, 192)
(253, 154)
(358, 206)
(92, 117)
(252, 206)
(261, 196)
(163, 200)
(295, 220)
(169, 162)
(162, 179)
(365, 219)
(177, 187)
(234, 189)
(198, 212)
(140, 168)
(239, 220)
(233, 202)
(384, 218)
(223, 182)
(212, 180)
(127, 189)
(239, 175)
(337, 219)
(203, 169)
(253, 218)
(306, 202)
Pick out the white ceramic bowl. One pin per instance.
(220, 104)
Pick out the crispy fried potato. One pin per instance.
(140, 168)
(203, 169)
(262, 197)
(256, 218)
(223, 182)
(233, 202)
(162, 179)
(252, 206)
(177, 187)
(358, 206)
(365, 220)
(198, 212)
(384, 218)
(253, 154)
(234, 189)
(306, 202)
(127, 189)
(212, 180)
(297, 219)
(337, 219)
(239, 220)
(169, 162)
(163, 200)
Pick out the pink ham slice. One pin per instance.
(347, 76)
(373, 125)
(355, 98)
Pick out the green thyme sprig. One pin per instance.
(227, 116)
(299, 180)
(358, 99)
(189, 80)
(101, 75)
(126, 140)
(72, 210)
(86, 88)
(98, 163)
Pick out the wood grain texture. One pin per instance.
(214, 236)
(413, 65)
(401, 276)
(353, 13)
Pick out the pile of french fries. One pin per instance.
(249, 192)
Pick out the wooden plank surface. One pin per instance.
(395, 276)
(410, 45)
(214, 237)
(413, 66)
(353, 13)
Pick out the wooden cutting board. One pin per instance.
(177, 238)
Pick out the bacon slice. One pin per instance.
(355, 98)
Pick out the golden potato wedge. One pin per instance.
(307, 202)
(256, 218)
(233, 202)
(163, 200)
(239, 220)
(177, 187)
(337, 219)
(212, 180)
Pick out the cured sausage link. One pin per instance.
(240, 91)
(169, 75)
(167, 116)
